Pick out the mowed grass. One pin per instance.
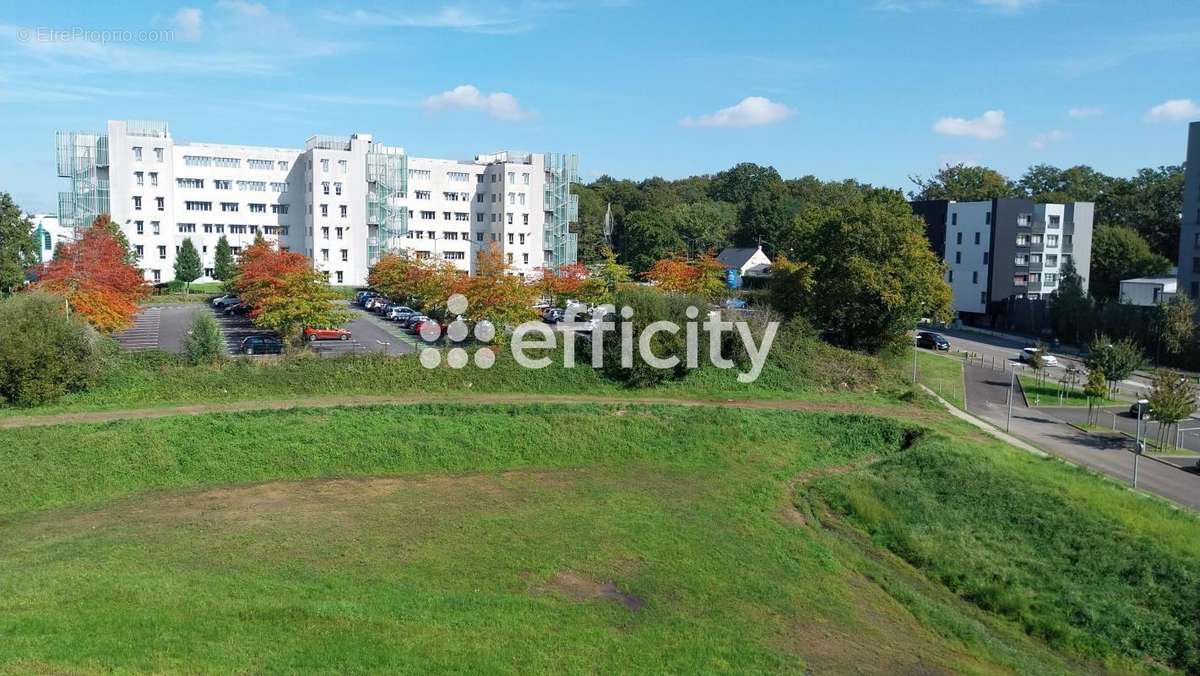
(1079, 562)
(467, 539)
(1046, 394)
(943, 375)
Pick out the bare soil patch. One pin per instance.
(581, 588)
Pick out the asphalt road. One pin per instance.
(998, 352)
(987, 395)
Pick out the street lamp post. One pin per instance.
(1012, 385)
(1138, 445)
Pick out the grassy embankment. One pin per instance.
(943, 375)
(796, 369)
(576, 539)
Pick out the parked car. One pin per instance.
(1027, 354)
(552, 315)
(225, 301)
(238, 310)
(407, 324)
(362, 297)
(932, 341)
(399, 312)
(422, 324)
(1141, 409)
(374, 302)
(262, 345)
(315, 333)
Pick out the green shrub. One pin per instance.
(204, 344)
(650, 305)
(44, 353)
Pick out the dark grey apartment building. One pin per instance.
(1001, 250)
(1189, 228)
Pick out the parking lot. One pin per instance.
(366, 336)
(162, 327)
(166, 327)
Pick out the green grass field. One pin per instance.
(575, 539)
(1047, 394)
(943, 375)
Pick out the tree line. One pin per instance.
(1136, 234)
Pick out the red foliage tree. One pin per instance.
(96, 279)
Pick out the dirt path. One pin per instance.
(456, 398)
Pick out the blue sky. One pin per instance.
(872, 89)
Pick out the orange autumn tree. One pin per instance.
(95, 277)
(572, 281)
(703, 276)
(421, 281)
(284, 292)
(496, 295)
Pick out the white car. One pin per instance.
(1028, 353)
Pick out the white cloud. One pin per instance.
(500, 105)
(1085, 111)
(986, 127)
(452, 18)
(1008, 6)
(243, 8)
(1173, 110)
(188, 22)
(905, 6)
(752, 111)
(1042, 141)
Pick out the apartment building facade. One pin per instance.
(343, 201)
(1189, 226)
(1001, 250)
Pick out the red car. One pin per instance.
(416, 328)
(313, 333)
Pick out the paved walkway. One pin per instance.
(987, 395)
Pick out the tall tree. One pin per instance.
(224, 267)
(612, 274)
(649, 237)
(187, 264)
(1148, 202)
(18, 250)
(873, 273)
(1070, 307)
(1117, 359)
(1046, 183)
(295, 301)
(963, 183)
(1172, 398)
(285, 293)
(96, 279)
(1119, 252)
(1175, 323)
(495, 295)
(104, 222)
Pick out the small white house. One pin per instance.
(1147, 291)
(48, 232)
(748, 264)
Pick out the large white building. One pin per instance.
(342, 201)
